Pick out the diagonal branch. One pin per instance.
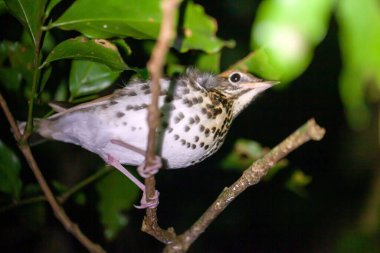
(59, 212)
(251, 176)
(155, 67)
(61, 198)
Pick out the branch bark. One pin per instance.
(155, 68)
(251, 176)
(59, 212)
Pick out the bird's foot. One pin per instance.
(152, 169)
(151, 203)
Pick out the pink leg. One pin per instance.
(143, 170)
(151, 203)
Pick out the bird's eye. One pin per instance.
(235, 78)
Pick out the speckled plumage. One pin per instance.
(197, 110)
(195, 117)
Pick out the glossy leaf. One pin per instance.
(30, 13)
(287, 32)
(88, 77)
(359, 23)
(116, 18)
(97, 50)
(10, 181)
(140, 19)
(123, 47)
(116, 195)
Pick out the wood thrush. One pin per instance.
(197, 110)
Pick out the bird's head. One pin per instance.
(241, 87)
(237, 87)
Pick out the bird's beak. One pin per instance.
(260, 84)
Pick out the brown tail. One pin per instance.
(41, 129)
(36, 137)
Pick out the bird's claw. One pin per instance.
(147, 171)
(151, 203)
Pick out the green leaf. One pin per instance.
(11, 78)
(59, 188)
(80, 198)
(113, 18)
(45, 77)
(49, 43)
(209, 62)
(116, 195)
(3, 8)
(20, 60)
(287, 33)
(199, 31)
(97, 50)
(244, 153)
(276, 169)
(10, 181)
(140, 19)
(258, 62)
(175, 69)
(123, 47)
(30, 13)
(298, 181)
(88, 77)
(359, 40)
(50, 6)
(61, 92)
(357, 240)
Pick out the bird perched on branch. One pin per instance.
(197, 110)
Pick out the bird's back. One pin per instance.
(192, 123)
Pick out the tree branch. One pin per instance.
(61, 198)
(251, 176)
(59, 212)
(155, 67)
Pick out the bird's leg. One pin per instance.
(144, 203)
(143, 170)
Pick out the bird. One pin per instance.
(196, 112)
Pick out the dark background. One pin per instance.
(265, 218)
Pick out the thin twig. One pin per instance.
(87, 181)
(63, 197)
(35, 80)
(251, 176)
(22, 202)
(58, 210)
(155, 67)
